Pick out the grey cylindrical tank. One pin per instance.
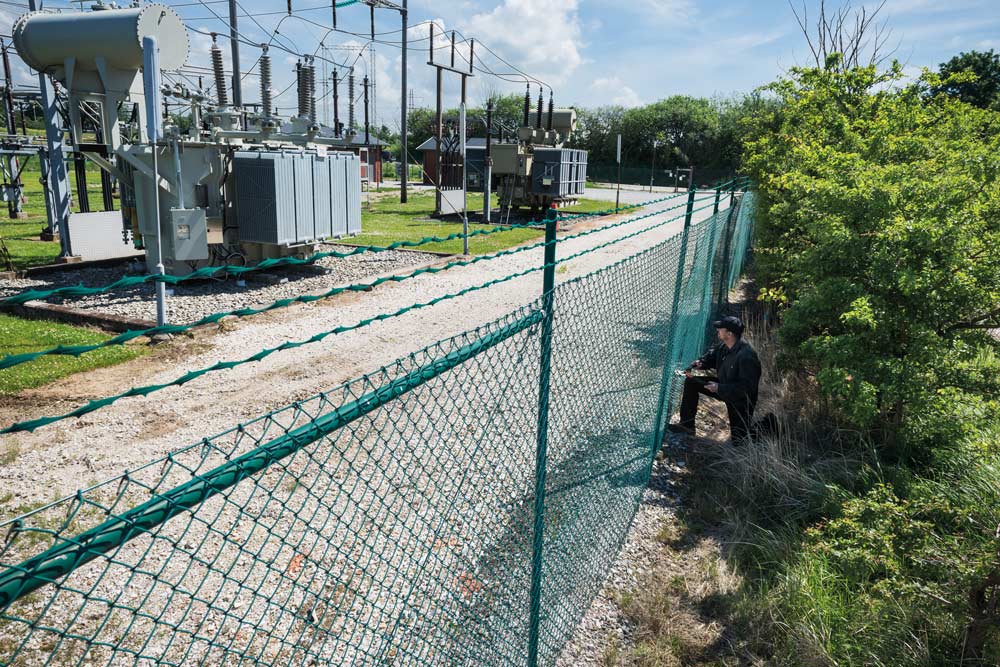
(45, 40)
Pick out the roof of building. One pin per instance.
(471, 142)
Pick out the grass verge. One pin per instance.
(389, 221)
(21, 236)
(18, 336)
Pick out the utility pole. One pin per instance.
(336, 104)
(618, 158)
(404, 160)
(440, 137)
(488, 166)
(440, 115)
(58, 183)
(364, 83)
(652, 166)
(234, 39)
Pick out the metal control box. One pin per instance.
(510, 159)
(188, 234)
(293, 197)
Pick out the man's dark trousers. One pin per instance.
(740, 413)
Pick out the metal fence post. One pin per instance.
(725, 270)
(668, 354)
(548, 284)
(718, 196)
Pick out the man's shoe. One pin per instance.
(681, 429)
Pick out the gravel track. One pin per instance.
(188, 302)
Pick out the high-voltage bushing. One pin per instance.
(306, 87)
(219, 73)
(541, 102)
(548, 126)
(527, 104)
(350, 102)
(265, 83)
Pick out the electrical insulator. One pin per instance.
(307, 88)
(350, 101)
(219, 73)
(265, 83)
(527, 103)
(541, 101)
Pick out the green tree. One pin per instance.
(878, 227)
(597, 132)
(984, 89)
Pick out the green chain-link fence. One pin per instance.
(394, 520)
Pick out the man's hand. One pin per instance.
(712, 387)
(696, 364)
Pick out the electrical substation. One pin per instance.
(237, 186)
(528, 167)
(538, 171)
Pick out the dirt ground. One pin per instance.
(665, 601)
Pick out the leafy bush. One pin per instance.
(879, 221)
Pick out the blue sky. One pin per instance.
(591, 52)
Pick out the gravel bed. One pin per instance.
(191, 301)
(604, 623)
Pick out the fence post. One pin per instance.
(718, 196)
(668, 354)
(541, 442)
(727, 261)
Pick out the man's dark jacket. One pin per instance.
(738, 371)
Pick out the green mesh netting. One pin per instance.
(389, 521)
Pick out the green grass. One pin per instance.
(390, 221)
(25, 254)
(21, 236)
(18, 336)
(593, 206)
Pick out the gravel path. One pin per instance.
(191, 301)
(604, 625)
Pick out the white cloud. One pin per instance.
(543, 39)
(678, 10)
(614, 90)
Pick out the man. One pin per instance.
(737, 379)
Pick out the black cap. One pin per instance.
(730, 323)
